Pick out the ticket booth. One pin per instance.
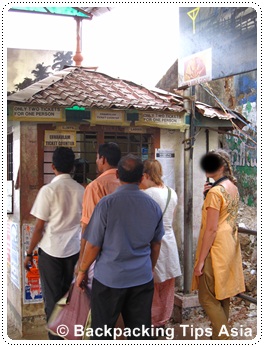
(80, 108)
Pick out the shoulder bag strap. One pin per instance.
(168, 200)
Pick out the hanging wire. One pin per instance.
(190, 140)
(225, 109)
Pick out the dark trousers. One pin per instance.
(133, 303)
(56, 275)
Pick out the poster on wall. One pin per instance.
(229, 32)
(9, 200)
(167, 159)
(32, 292)
(8, 243)
(14, 254)
(144, 153)
(195, 69)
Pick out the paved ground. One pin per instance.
(196, 326)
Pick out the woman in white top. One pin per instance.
(168, 264)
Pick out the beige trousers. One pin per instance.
(216, 310)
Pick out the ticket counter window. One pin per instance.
(86, 150)
(137, 144)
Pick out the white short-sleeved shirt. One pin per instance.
(59, 204)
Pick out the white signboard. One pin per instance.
(36, 113)
(109, 116)
(157, 118)
(14, 254)
(167, 159)
(60, 138)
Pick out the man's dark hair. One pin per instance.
(81, 170)
(130, 169)
(111, 152)
(63, 159)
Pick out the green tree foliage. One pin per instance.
(41, 71)
(61, 59)
(27, 82)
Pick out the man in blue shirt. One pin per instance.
(124, 236)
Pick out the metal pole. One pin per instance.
(207, 146)
(207, 140)
(188, 197)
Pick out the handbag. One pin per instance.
(71, 316)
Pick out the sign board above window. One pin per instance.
(36, 113)
(60, 138)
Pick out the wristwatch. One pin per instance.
(28, 254)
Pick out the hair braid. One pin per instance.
(228, 171)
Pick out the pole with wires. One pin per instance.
(188, 192)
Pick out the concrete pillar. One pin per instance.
(78, 58)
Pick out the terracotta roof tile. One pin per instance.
(83, 87)
(79, 86)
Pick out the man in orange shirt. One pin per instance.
(108, 156)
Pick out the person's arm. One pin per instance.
(154, 254)
(83, 242)
(86, 214)
(208, 238)
(90, 200)
(35, 239)
(82, 246)
(89, 255)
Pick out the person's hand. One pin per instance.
(207, 187)
(76, 272)
(198, 270)
(28, 262)
(80, 279)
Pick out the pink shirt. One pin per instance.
(103, 185)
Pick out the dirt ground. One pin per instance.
(243, 321)
(195, 324)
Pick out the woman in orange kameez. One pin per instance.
(218, 273)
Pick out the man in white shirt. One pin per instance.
(58, 209)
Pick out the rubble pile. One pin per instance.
(247, 218)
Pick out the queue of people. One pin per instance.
(128, 253)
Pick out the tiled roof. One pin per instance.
(79, 86)
(83, 87)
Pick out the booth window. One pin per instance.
(137, 144)
(86, 149)
(140, 144)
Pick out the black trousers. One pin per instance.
(133, 303)
(56, 275)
